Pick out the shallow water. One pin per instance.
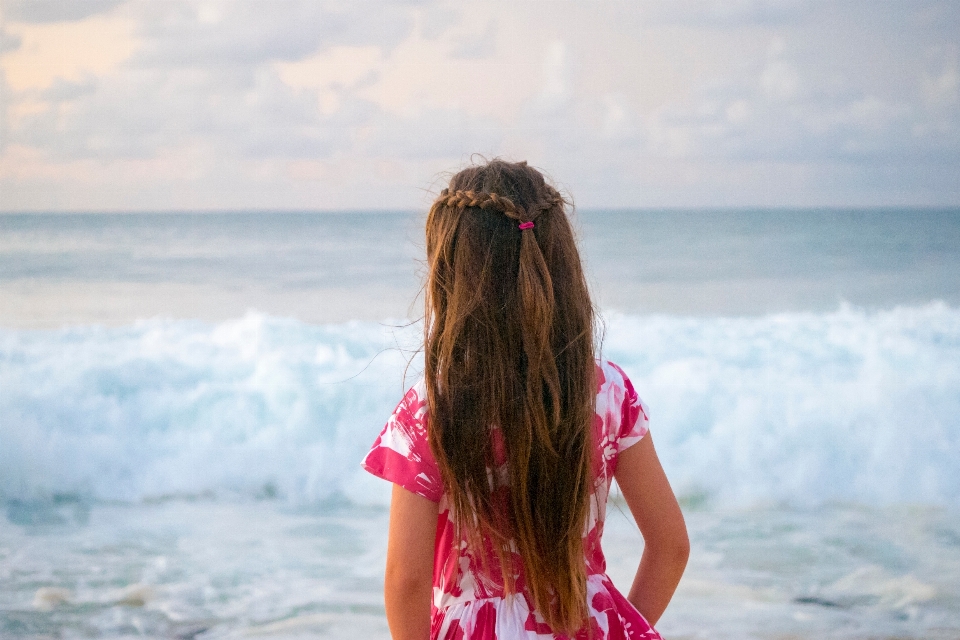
(195, 569)
(217, 569)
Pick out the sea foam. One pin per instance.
(799, 408)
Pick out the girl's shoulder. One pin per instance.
(611, 376)
(417, 394)
(401, 453)
(624, 414)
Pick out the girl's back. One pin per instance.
(502, 457)
(470, 599)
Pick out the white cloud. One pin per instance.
(46, 53)
(555, 90)
(728, 13)
(941, 87)
(46, 11)
(302, 103)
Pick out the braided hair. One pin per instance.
(487, 201)
(509, 359)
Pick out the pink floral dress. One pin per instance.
(469, 600)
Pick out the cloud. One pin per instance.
(251, 32)
(9, 41)
(300, 103)
(202, 75)
(728, 14)
(43, 11)
(775, 112)
(62, 50)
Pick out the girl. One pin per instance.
(503, 455)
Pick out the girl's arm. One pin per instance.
(408, 585)
(665, 544)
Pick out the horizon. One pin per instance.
(591, 209)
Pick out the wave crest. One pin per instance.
(802, 408)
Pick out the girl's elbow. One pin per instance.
(682, 551)
(680, 546)
(674, 548)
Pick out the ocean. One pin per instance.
(185, 398)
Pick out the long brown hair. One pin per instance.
(509, 346)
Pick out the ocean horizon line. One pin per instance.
(827, 208)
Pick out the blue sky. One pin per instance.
(183, 105)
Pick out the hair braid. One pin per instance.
(462, 199)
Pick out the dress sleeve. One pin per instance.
(634, 423)
(401, 453)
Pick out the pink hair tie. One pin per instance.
(525, 225)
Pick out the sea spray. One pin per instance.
(799, 408)
(802, 408)
(259, 406)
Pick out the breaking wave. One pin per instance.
(800, 408)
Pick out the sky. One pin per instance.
(112, 105)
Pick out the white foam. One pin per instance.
(259, 406)
(804, 408)
(873, 585)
